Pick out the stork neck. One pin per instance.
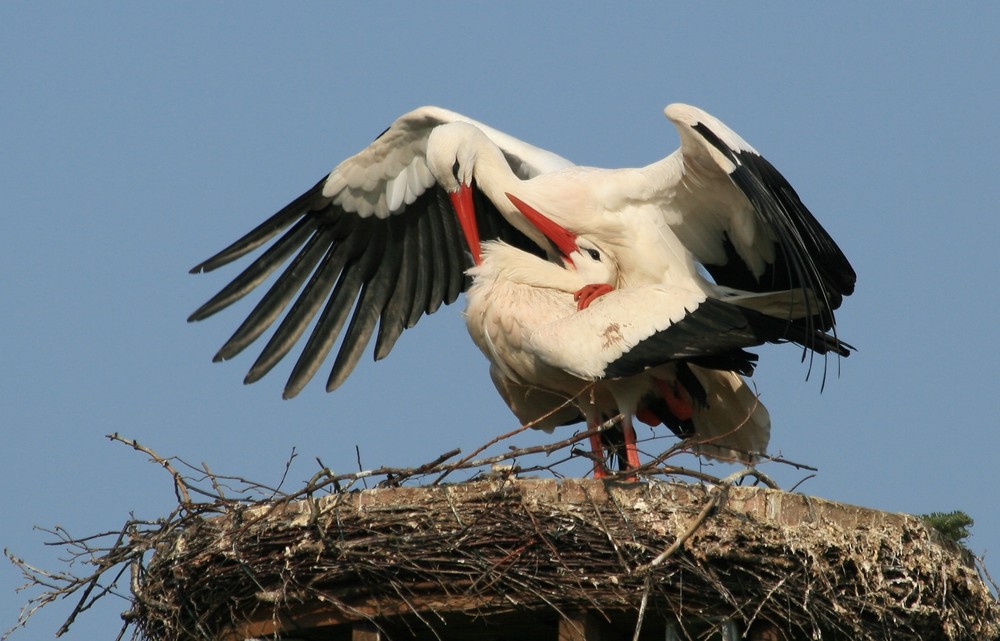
(496, 179)
(492, 172)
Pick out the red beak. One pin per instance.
(563, 239)
(461, 200)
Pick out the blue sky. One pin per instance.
(139, 139)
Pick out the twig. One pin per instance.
(981, 565)
(179, 486)
(713, 502)
(801, 481)
(478, 450)
(784, 461)
(357, 456)
(647, 585)
(503, 437)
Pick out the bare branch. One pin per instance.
(179, 487)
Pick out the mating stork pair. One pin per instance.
(589, 293)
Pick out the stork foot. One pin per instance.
(589, 293)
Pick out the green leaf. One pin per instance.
(953, 525)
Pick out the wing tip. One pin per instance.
(207, 265)
(689, 117)
(682, 112)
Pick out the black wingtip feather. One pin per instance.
(264, 231)
(304, 309)
(270, 306)
(379, 278)
(338, 306)
(257, 271)
(397, 308)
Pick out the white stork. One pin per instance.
(671, 353)
(377, 235)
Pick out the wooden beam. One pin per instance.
(364, 631)
(582, 625)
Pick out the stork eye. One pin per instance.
(454, 170)
(594, 254)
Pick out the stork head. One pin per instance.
(452, 149)
(582, 253)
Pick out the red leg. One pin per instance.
(597, 448)
(589, 293)
(631, 449)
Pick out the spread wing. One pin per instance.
(374, 242)
(744, 222)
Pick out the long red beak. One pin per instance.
(461, 200)
(562, 238)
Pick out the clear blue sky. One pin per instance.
(139, 139)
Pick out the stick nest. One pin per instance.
(237, 559)
(810, 567)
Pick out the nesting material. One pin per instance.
(657, 554)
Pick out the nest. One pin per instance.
(497, 557)
(409, 560)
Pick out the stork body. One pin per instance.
(522, 315)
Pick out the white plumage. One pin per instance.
(523, 316)
(392, 172)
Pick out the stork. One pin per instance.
(579, 328)
(384, 234)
